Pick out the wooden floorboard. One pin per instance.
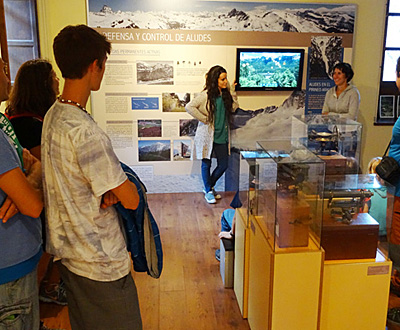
(190, 292)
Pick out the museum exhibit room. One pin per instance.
(250, 164)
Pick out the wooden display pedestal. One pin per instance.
(355, 294)
(241, 266)
(226, 253)
(284, 285)
(294, 288)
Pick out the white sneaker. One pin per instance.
(210, 197)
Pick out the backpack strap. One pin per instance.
(387, 148)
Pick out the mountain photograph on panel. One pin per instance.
(266, 123)
(182, 150)
(175, 102)
(154, 151)
(149, 128)
(223, 16)
(155, 72)
(188, 127)
(324, 54)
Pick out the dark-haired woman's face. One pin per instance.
(339, 77)
(397, 81)
(222, 81)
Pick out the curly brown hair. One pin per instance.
(213, 92)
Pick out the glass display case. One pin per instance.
(285, 194)
(334, 139)
(357, 214)
(248, 169)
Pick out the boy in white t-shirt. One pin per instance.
(82, 178)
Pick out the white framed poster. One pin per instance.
(386, 106)
(398, 106)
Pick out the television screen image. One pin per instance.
(389, 65)
(269, 69)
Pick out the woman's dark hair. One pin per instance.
(346, 69)
(398, 68)
(213, 92)
(76, 47)
(33, 89)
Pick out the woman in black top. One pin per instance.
(35, 90)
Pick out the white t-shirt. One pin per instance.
(79, 166)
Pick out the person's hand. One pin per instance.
(108, 199)
(8, 210)
(28, 159)
(225, 234)
(231, 87)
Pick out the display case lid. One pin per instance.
(254, 154)
(286, 151)
(356, 181)
(318, 119)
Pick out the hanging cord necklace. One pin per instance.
(72, 102)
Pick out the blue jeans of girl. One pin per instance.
(210, 179)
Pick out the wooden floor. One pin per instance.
(190, 292)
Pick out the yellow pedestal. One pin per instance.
(284, 286)
(241, 267)
(355, 294)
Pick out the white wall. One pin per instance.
(367, 53)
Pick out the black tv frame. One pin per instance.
(300, 51)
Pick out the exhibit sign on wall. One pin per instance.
(324, 53)
(161, 51)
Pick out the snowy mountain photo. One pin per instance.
(223, 16)
(266, 123)
(155, 73)
(154, 150)
(325, 53)
(188, 127)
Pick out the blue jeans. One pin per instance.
(19, 304)
(221, 153)
(227, 219)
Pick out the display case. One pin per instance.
(334, 139)
(287, 199)
(357, 213)
(249, 167)
(247, 180)
(285, 259)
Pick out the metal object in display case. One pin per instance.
(288, 191)
(328, 142)
(334, 139)
(357, 212)
(347, 201)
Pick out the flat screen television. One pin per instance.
(272, 69)
(389, 65)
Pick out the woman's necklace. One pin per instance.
(72, 102)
